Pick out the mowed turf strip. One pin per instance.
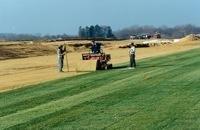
(162, 93)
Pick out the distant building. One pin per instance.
(133, 37)
(141, 36)
(157, 35)
(146, 36)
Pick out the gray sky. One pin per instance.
(65, 16)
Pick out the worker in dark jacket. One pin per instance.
(96, 47)
(61, 53)
(132, 52)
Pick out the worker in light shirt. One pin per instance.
(61, 53)
(132, 52)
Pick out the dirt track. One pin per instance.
(16, 73)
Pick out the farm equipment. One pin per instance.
(96, 53)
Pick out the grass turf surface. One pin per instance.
(162, 93)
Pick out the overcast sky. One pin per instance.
(65, 16)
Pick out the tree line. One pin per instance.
(30, 37)
(96, 32)
(105, 32)
(166, 32)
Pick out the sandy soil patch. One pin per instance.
(15, 73)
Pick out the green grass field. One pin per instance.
(162, 93)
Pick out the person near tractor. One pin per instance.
(61, 53)
(96, 47)
(132, 52)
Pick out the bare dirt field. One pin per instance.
(25, 64)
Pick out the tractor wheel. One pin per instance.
(109, 66)
(104, 66)
(98, 65)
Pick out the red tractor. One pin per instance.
(97, 54)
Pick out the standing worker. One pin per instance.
(132, 56)
(61, 52)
